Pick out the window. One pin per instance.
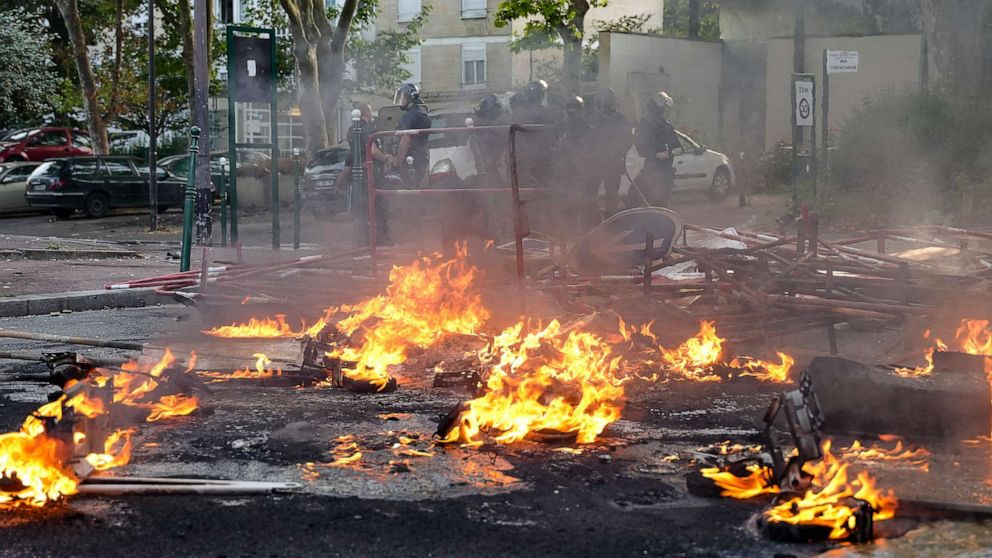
(84, 167)
(407, 10)
(413, 66)
(118, 168)
(226, 11)
(80, 140)
(472, 9)
(18, 174)
(50, 139)
(473, 64)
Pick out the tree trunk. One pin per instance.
(185, 11)
(331, 61)
(571, 35)
(87, 81)
(315, 131)
(956, 42)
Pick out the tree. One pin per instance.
(958, 42)
(27, 76)
(87, 78)
(564, 19)
(679, 20)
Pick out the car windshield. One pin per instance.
(49, 168)
(21, 134)
(326, 157)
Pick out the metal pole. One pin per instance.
(825, 162)
(232, 120)
(194, 139)
(274, 139)
(357, 161)
(152, 138)
(518, 226)
(297, 198)
(201, 84)
(223, 201)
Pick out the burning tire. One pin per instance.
(365, 386)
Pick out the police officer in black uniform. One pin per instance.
(657, 142)
(534, 150)
(614, 138)
(490, 146)
(414, 118)
(577, 174)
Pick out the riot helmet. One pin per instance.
(606, 101)
(536, 91)
(489, 107)
(660, 102)
(406, 95)
(574, 105)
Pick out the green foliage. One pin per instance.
(547, 20)
(907, 155)
(636, 23)
(378, 64)
(28, 80)
(677, 19)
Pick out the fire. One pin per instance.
(171, 406)
(915, 458)
(424, 302)
(543, 381)
(758, 481)
(117, 451)
(137, 381)
(974, 337)
(826, 502)
(33, 470)
(261, 371)
(764, 370)
(346, 451)
(265, 328)
(694, 359)
(926, 370)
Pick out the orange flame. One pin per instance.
(825, 502)
(171, 406)
(543, 381)
(138, 380)
(914, 458)
(35, 466)
(764, 370)
(261, 371)
(694, 358)
(758, 481)
(113, 456)
(255, 328)
(424, 302)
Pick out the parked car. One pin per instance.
(41, 144)
(700, 168)
(97, 184)
(255, 160)
(320, 176)
(13, 178)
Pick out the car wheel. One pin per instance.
(96, 205)
(62, 212)
(721, 184)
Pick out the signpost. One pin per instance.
(251, 65)
(803, 116)
(834, 62)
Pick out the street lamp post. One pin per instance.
(297, 198)
(152, 139)
(223, 200)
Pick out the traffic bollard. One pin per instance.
(194, 139)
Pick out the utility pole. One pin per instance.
(798, 67)
(202, 119)
(152, 138)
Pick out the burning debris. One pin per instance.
(265, 328)
(426, 301)
(263, 370)
(544, 382)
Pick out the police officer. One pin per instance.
(490, 146)
(414, 118)
(656, 141)
(534, 150)
(576, 172)
(615, 137)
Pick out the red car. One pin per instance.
(40, 144)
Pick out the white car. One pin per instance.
(699, 168)
(13, 177)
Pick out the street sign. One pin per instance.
(804, 102)
(842, 61)
(253, 70)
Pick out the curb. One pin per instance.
(44, 254)
(78, 301)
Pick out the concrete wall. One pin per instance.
(887, 62)
(690, 71)
(765, 19)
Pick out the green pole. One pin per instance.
(297, 198)
(274, 139)
(223, 202)
(358, 193)
(194, 138)
(232, 120)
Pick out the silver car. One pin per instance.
(13, 178)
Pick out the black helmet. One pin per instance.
(407, 91)
(489, 106)
(574, 105)
(607, 100)
(517, 101)
(535, 91)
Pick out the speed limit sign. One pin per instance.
(804, 102)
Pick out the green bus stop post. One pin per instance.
(297, 198)
(194, 138)
(358, 172)
(223, 202)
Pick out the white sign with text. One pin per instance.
(842, 61)
(804, 103)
